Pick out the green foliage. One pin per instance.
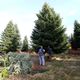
(25, 67)
(16, 39)
(21, 62)
(76, 35)
(17, 68)
(5, 73)
(25, 44)
(12, 57)
(1, 61)
(72, 43)
(10, 38)
(49, 30)
(4, 61)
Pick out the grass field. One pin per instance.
(61, 67)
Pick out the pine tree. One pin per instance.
(9, 38)
(76, 34)
(16, 39)
(49, 30)
(25, 44)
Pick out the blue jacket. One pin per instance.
(41, 52)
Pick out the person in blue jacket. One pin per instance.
(41, 56)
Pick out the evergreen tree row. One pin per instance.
(75, 37)
(48, 31)
(10, 39)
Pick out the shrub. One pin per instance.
(4, 61)
(1, 63)
(22, 63)
(5, 73)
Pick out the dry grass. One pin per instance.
(61, 67)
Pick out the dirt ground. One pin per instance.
(60, 67)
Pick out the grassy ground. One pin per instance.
(60, 67)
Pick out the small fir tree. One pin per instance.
(25, 44)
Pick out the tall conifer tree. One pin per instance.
(10, 38)
(76, 35)
(49, 31)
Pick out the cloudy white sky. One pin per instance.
(23, 13)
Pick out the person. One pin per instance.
(41, 56)
(49, 52)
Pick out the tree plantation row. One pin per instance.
(48, 31)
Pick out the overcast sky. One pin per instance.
(23, 13)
